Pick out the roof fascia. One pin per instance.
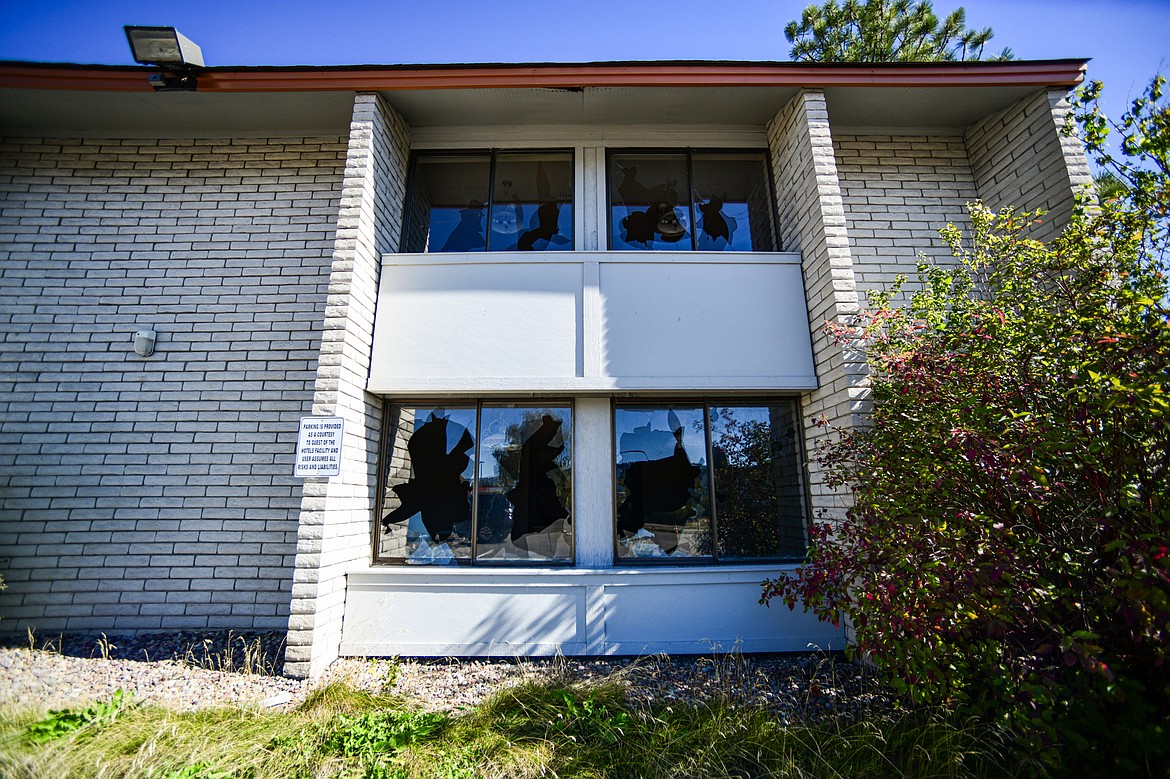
(361, 78)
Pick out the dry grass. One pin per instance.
(552, 726)
(240, 656)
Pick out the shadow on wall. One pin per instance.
(425, 621)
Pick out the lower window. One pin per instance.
(713, 481)
(476, 483)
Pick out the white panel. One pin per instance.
(574, 611)
(704, 320)
(436, 618)
(590, 322)
(476, 320)
(593, 481)
(681, 616)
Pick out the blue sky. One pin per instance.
(1128, 40)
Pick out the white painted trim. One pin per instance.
(580, 215)
(569, 385)
(591, 305)
(593, 482)
(589, 193)
(599, 202)
(647, 257)
(562, 136)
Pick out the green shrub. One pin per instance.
(1006, 552)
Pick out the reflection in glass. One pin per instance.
(657, 198)
(663, 506)
(426, 506)
(732, 202)
(437, 508)
(650, 202)
(447, 204)
(525, 484)
(759, 507)
(532, 202)
(456, 204)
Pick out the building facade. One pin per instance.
(570, 316)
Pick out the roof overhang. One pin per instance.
(90, 100)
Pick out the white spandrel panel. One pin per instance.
(590, 322)
(743, 322)
(472, 321)
(509, 612)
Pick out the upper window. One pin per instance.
(496, 201)
(477, 483)
(718, 482)
(690, 200)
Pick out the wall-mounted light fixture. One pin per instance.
(144, 342)
(170, 49)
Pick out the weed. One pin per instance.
(382, 733)
(588, 717)
(338, 697)
(104, 646)
(239, 656)
(535, 729)
(62, 722)
(388, 670)
(194, 771)
(46, 645)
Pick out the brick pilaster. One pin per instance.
(336, 522)
(812, 221)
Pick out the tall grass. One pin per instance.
(549, 728)
(239, 655)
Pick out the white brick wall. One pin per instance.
(898, 192)
(154, 493)
(813, 222)
(1020, 159)
(336, 526)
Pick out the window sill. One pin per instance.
(381, 572)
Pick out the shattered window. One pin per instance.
(720, 482)
(663, 503)
(477, 483)
(690, 200)
(490, 201)
(757, 470)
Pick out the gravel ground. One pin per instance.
(191, 670)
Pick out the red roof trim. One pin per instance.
(1065, 73)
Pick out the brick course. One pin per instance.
(898, 192)
(1021, 160)
(154, 493)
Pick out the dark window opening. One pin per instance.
(476, 483)
(690, 200)
(713, 481)
(490, 201)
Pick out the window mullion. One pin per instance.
(691, 202)
(711, 481)
(487, 230)
(475, 482)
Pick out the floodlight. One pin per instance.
(163, 46)
(169, 48)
